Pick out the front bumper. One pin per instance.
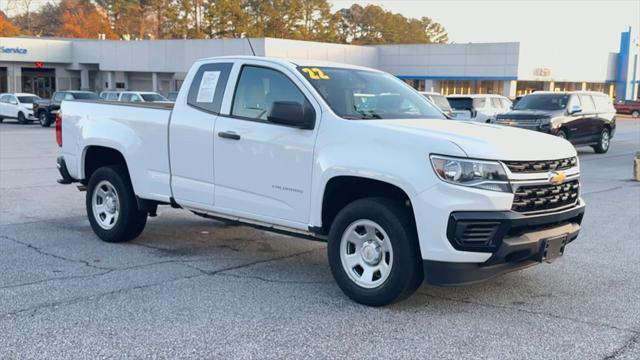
(517, 242)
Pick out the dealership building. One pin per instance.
(44, 65)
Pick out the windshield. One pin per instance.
(27, 99)
(85, 96)
(153, 97)
(362, 94)
(543, 102)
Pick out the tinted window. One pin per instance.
(4, 98)
(201, 94)
(603, 104)
(135, 97)
(153, 97)
(112, 96)
(68, 96)
(467, 103)
(58, 97)
(125, 97)
(543, 102)
(86, 96)
(587, 104)
(364, 94)
(27, 99)
(257, 90)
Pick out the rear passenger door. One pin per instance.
(191, 135)
(263, 169)
(3, 105)
(590, 117)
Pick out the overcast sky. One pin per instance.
(538, 24)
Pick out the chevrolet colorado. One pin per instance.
(344, 154)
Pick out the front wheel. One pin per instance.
(603, 143)
(43, 119)
(635, 114)
(561, 134)
(373, 251)
(111, 205)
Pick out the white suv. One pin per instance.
(142, 96)
(17, 106)
(481, 107)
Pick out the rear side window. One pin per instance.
(603, 104)
(58, 97)
(495, 103)
(460, 103)
(125, 97)
(207, 87)
(587, 104)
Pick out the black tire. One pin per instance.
(129, 222)
(604, 142)
(396, 219)
(1, 120)
(44, 119)
(21, 118)
(562, 134)
(635, 114)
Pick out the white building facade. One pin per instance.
(44, 65)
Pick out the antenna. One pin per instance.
(251, 46)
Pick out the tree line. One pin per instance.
(203, 19)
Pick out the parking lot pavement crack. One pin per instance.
(273, 280)
(59, 257)
(200, 273)
(59, 278)
(634, 340)
(532, 312)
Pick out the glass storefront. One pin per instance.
(41, 82)
(527, 87)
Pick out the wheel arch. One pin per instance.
(342, 190)
(96, 156)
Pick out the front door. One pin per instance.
(262, 169)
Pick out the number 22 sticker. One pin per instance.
(316, 74)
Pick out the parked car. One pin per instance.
(480, 107)
(582, 117)
(395, 188)
(172, 96)
(45, 110)
(110, 95)
(17, 106)
(628, 107)
(439, 100)
(142, 96)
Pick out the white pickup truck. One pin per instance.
(345, 154)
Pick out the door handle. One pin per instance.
(229, 135)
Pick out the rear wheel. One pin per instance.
(603, 143)
(21, 118)
(373, 251)
(635, 114)
(111, 205)
(44, 119)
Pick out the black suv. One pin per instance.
(45, 110)
(582, 117)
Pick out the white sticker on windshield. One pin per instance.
(208, 86)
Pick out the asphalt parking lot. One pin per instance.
(190, 287)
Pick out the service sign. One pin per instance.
(13, 50)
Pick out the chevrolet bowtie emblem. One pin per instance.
(557, 177)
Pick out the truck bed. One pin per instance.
(139, 131)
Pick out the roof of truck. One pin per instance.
(293, 62)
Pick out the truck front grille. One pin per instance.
(541, 165)
(539, 198)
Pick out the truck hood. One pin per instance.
(484, 141)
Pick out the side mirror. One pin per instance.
(292, 113)
(575, 109)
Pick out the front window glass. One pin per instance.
(257, 90)
(27, 99)
(153, 97)
(363, 94)
(543, 102)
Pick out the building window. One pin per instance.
(120, 85)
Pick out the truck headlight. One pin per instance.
(482, 174)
